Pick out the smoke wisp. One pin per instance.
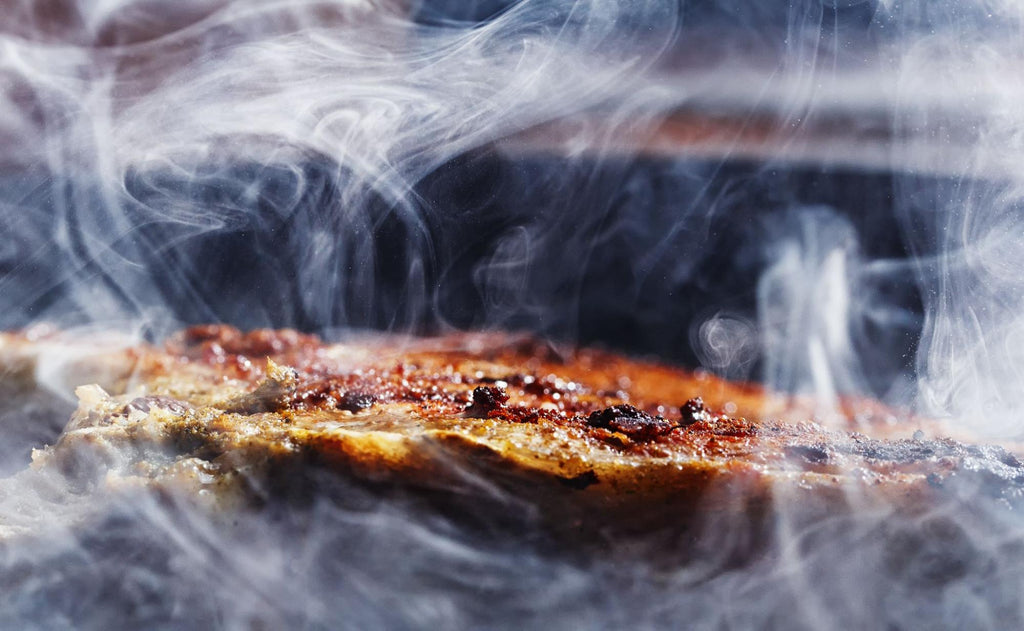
(823, 196)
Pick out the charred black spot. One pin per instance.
(604, 418)
(814, 454)
(486, 399)
(355, 401)
(635, 423)
(693, 411)
(581, 481)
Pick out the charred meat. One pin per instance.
(580, 428)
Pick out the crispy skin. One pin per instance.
(576, 432)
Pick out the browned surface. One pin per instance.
(570, 430)
(538, 376)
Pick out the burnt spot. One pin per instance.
(486, 399)
(632, 422)
(811, 454)
(693, 411)
(604, 418)
(581, 481)
(355, 401)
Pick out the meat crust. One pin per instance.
(573, 430)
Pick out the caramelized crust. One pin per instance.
(591, 430)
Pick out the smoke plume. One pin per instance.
(821, 195)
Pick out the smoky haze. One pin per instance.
(822, 196)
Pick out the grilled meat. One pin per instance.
(577, 432)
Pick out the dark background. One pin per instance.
(629, 253)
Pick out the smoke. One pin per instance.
(213, 128)
(824, 196)
(358, 555)
(967, 235)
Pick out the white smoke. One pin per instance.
(967, 232)
(146, 127)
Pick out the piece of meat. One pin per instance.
(39, 370)
(579, 433)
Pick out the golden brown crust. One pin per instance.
(587, 429)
